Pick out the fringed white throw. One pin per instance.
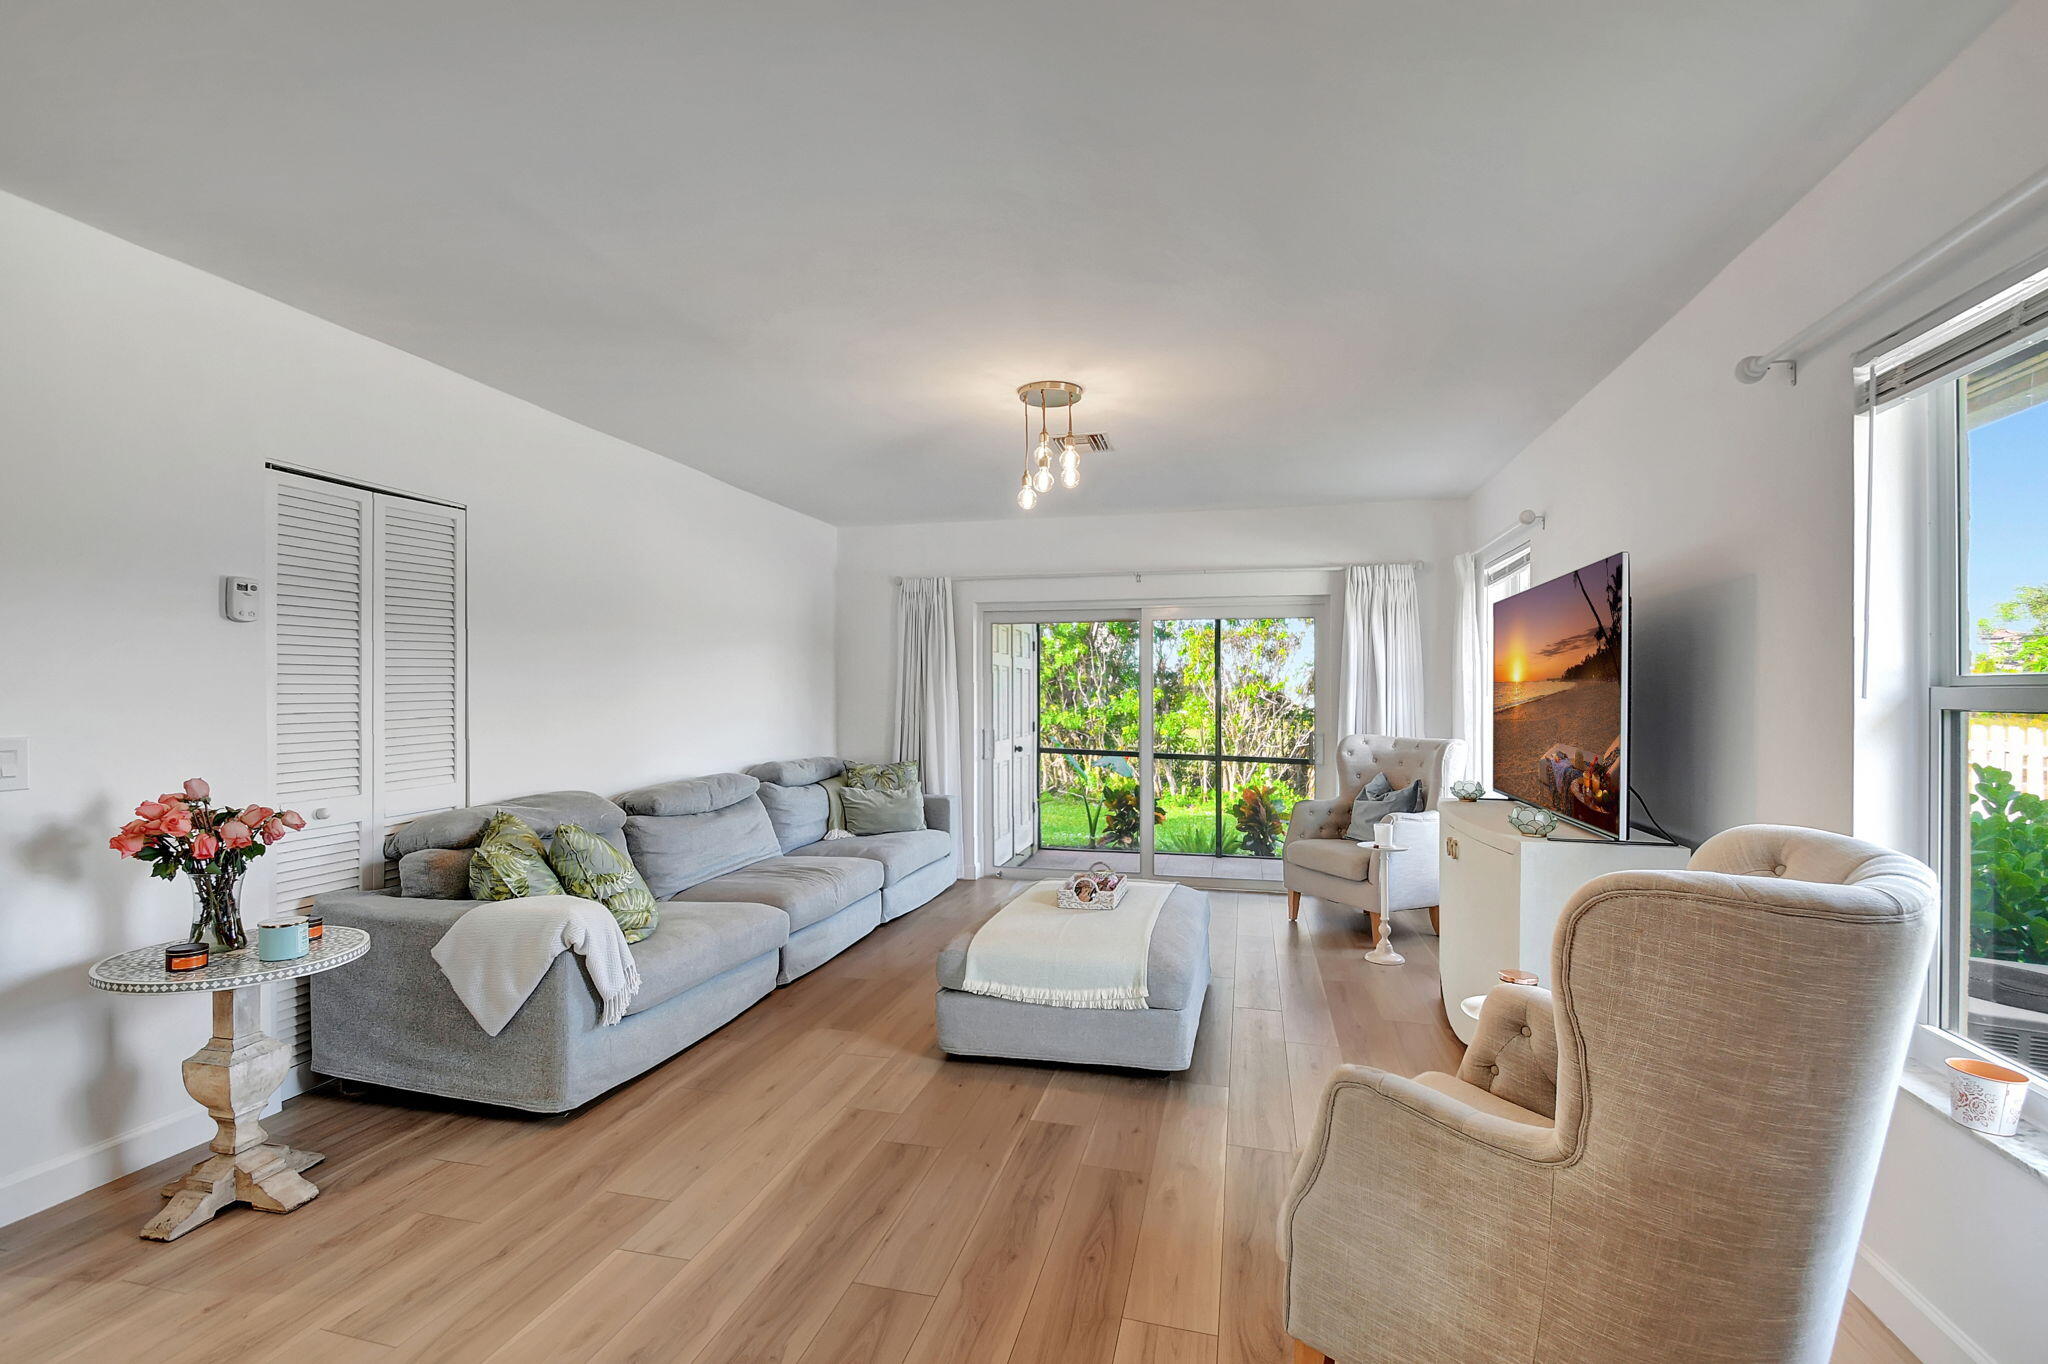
(1034, 952)
(497, 953)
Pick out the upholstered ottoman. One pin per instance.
(1159, 1037)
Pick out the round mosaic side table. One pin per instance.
(232, 1077)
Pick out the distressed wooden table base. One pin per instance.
(233, 1077)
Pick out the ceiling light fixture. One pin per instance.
(1038, 461)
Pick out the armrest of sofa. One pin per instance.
(1398, 1175)
(1514, 1052)
(1307, 818)
(391, 1018)
(938, 812)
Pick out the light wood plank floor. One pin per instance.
(811, 1184)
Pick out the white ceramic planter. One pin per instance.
(1985, 1096)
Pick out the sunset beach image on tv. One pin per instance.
(1560, 688)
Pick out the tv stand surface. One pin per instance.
(1501, 893)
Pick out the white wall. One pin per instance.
(1735, 505)
(630, 619)
(1258, 546)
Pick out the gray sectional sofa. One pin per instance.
(753, 899)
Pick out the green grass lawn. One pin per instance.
(1190, 825)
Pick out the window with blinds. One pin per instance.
(368, 691)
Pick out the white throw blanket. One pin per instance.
(497, 953)
(1034, 952)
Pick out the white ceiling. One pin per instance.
(1297, 252)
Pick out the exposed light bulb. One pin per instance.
(1027, 496)
(1041, 478)
(1070, 473)
(1070, 456)
(1044, 450)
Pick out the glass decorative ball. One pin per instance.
(1530, 822)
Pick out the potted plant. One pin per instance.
(213, 844)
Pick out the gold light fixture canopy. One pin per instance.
(1038, 477)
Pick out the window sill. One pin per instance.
(2027, 1148)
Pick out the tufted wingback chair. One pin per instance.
(1669, 1160)
(1319, 860)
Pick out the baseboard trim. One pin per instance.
(27, 1192)
(1920, 1326)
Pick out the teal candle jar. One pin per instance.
(282, 940)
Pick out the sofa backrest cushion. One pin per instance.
(800, 814)
(543, 813)
(435, 874)
(691, 795)
(681, 833)
(798, 771)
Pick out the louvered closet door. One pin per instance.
(321, 659)
(369, 647)
(420, 757)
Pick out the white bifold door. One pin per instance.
(369, 714)
(1013, 789)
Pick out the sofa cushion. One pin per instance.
(883, 810)
(901, 855)
(691, 795)
(434, 874)
(593, 869)
(543, 814)
(698, 941)
(797, 771)
(894, 776)
(511, 863)
(675, 852)
(1177, 959)
(800, 814)
(1331, 856)
(807, 889)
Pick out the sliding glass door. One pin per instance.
(1168, 741)
(1234, 739)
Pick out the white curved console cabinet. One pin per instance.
(1501, 893)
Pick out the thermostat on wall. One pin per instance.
(241, 598)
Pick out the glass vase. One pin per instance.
(217, 911)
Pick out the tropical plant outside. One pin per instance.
(1233, 721)
(2008, 870)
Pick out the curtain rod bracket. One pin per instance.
(1752, 369)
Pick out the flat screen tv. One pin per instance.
(1560, 696)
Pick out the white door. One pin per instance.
(1002, 742)
(368, 691)
(1024, 725)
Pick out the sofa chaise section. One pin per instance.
(392, 1019)
(917, 864)
(709, 839)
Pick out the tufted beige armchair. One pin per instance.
(1318, 859)
(1667, 1161)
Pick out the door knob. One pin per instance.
(322, 813)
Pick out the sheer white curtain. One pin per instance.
(927, 683)
(1472, 714)
(1382, 673)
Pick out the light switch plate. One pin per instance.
(13, 764)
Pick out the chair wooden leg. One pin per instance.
(1309, 1354)
(1434, 926)
(1372, 925)
(1293, 904)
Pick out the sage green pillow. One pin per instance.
(882, 811)
(592, 869)
(881, 776)
(511, 863)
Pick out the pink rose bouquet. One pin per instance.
(186, 830)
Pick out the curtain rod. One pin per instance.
(1528, 521)
(1752, 368)
(1140, 574)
